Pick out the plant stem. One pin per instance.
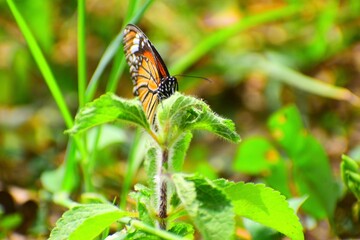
(163, 189)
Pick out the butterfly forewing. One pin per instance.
(148, 71)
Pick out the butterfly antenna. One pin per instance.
(183, 75)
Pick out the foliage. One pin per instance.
(211, 206)
(86, 221)
(261, 55)
(309, 163)
(350, 173)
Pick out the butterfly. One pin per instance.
(151, 79)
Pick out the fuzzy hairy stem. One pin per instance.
(162, 212)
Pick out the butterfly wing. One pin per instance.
(147, 69)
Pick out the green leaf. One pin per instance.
(256, 155)
(287, 128)
(313, 176)
(86, 221)
(266, 206)
(177, 155)
(109, 108)
(350, 173)
(278, 178)
(150, 164)
(139, 235)
(311, 169)
(143, 197)
(207, 206)
(184, 230)
(181, 113)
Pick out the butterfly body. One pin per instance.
(151, 79)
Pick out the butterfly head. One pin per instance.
(167, 87)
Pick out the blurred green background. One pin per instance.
(259, 55)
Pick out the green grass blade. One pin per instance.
(46, 72)
(81, 52)
(118, 68)
(109, 53)
(104, 61)
(222, 35)
(133, 5)
(141, 11)
(70, 180)
(116, 71)
(42, 64)
(289, 76)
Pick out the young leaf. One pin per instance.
(177, 155)
(184, 230)
(143, 195)
(150, 164)
(184, 113)
(264, 205)
(350, 174)
(259, 152)
(287, 128)
(279, 177)
(86, 221)
(109, 108)
(207, 206)
(311, 169)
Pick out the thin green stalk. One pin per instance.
(141, 11)
(94, 151)
(131, 9)
(289, 76)
(223, 35)
(85, 161)
(46, 72)
(109, 53)
(149, 229)
(70, 164)
(119, 63)
(117, 70)
(104, 61)
(81, 52)
(42, 64)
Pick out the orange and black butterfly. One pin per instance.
(151, 79)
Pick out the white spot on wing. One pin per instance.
(136, 41)
(134, 48)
